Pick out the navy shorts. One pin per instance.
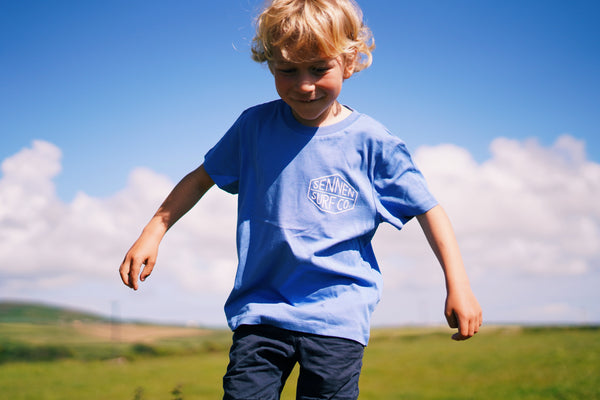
(262, 357)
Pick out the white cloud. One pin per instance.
(528, 211)
(45, 242)
(529, 208)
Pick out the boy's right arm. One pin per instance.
(145, 249)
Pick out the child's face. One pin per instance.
(311, 88)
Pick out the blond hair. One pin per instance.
(305, 30)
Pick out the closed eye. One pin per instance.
(286, 71)
(321, 70)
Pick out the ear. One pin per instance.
(349, 63)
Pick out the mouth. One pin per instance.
(306, 101)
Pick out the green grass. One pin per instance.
(499, 363)
(39, 342)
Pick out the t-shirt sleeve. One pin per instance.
(401, 191)
(223, 161)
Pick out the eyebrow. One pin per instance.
(314, 62)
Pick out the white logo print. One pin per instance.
(332, 194)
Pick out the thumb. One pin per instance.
(452, 319)
(148, 267)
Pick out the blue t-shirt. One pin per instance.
(310, 200)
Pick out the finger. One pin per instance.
(467, 329)
(472, 327)
(452, 320)
(124, 270)
(129, 271)
(477, 324)
(147, 270)
(460, 335)
(463, 328)
(133, 276)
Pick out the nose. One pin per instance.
(306, 82)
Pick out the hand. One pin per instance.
(143, 252)
(463, 312)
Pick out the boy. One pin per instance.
(314, 179)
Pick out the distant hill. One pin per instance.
(43, 313)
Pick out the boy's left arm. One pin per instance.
(462, 308)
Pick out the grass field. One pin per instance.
(49, 353)
(154, 362)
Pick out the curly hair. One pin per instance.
(305, 30)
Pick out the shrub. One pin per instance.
(15, 351)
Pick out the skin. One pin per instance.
(311, 90)
(462, 310)
(144, 251)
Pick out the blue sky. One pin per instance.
(118, 85)
(121, 84)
